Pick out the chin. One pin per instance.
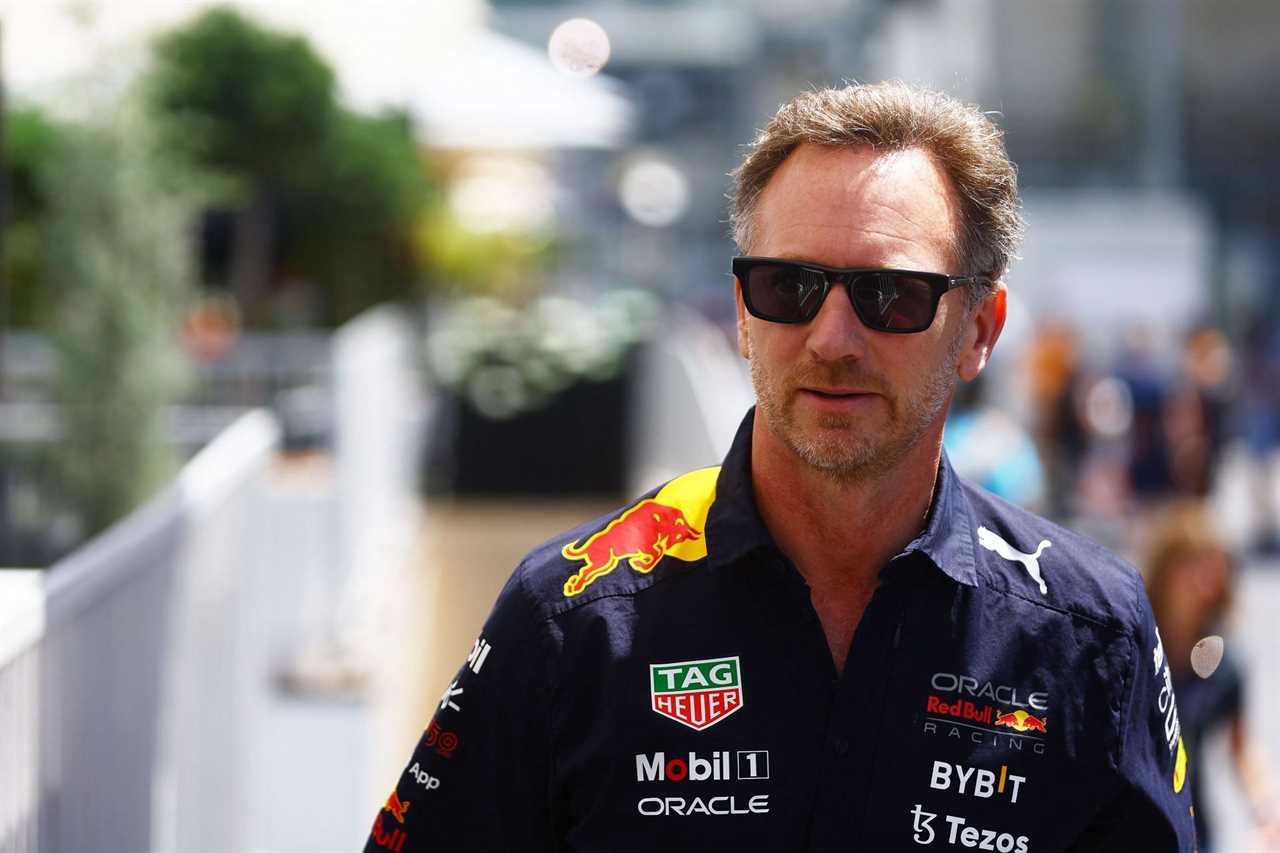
(843, 457)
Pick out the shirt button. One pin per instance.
(841, 747)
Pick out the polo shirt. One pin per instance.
(658, 679)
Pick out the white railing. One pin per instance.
(21, 626)
(377, 438)
(119, 674)
(139, 676)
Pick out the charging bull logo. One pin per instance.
(1021, 721)
(669, 524)
(396, 806)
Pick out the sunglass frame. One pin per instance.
(939, 285)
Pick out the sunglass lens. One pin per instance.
(893, 302)
(785, 293)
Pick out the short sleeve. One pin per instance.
(478, 778)
(1150, 806)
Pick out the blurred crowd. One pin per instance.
(1166, 448)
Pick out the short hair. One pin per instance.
(894, 116)
(1182, 533)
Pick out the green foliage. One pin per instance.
(30, 141)
(341, 191)
(120, 262)
(239, 98)
(350, 209)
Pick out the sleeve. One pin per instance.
(478, 778)
(1150, 806)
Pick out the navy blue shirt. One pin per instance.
(658, 679)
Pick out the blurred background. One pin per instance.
(317, 315)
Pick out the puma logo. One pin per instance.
(992, 542)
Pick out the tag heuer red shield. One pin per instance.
(696, 693)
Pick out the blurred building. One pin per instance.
(1153, 102)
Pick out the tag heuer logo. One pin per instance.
(697, 693)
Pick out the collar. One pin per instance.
(735, 528)
(734, 525)
(947, 538)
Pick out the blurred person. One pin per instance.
(1190, 580)
(992, 449)
(1195, 411)
(1208, 364)
(830, 641)
(1150, 468)
(1056, 378)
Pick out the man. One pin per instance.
(829, 642)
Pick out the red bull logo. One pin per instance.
(961, 709)
(392, 839)
(670, 523)
(640, 536)
(396, 806)
(1021, 721)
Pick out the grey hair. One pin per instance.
(891, 116)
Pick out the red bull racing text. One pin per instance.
(391, 839)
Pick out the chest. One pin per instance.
(839, 611)
(719, 721)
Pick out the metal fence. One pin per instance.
(101, 666)
(138, 676)
(21, 626)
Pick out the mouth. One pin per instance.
(836, 393)
(844, 401)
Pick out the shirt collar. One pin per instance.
(735, 528)
(947, 538)
(734, 525)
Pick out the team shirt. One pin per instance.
(658, 679)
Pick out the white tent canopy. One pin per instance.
(466, 87)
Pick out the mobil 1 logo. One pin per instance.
(718, 766)
(743, 765)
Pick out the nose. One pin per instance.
(836, 333)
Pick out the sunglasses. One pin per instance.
(886, 300)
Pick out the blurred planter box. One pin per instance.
(576, 445)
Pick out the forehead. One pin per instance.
(854, 206)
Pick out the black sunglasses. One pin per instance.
(885, 300)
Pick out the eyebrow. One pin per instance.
(802, 260)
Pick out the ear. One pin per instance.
(983, 330)
(744, 338)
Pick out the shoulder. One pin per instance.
(655, 537)
(1019, 553)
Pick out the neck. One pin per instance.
(840, 532)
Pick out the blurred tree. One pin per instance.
(349, 213)
(246, 103)
(119, 257)
(30, 141)
(321, 194)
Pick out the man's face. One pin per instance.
(847, 400)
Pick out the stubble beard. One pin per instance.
(833, 445)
